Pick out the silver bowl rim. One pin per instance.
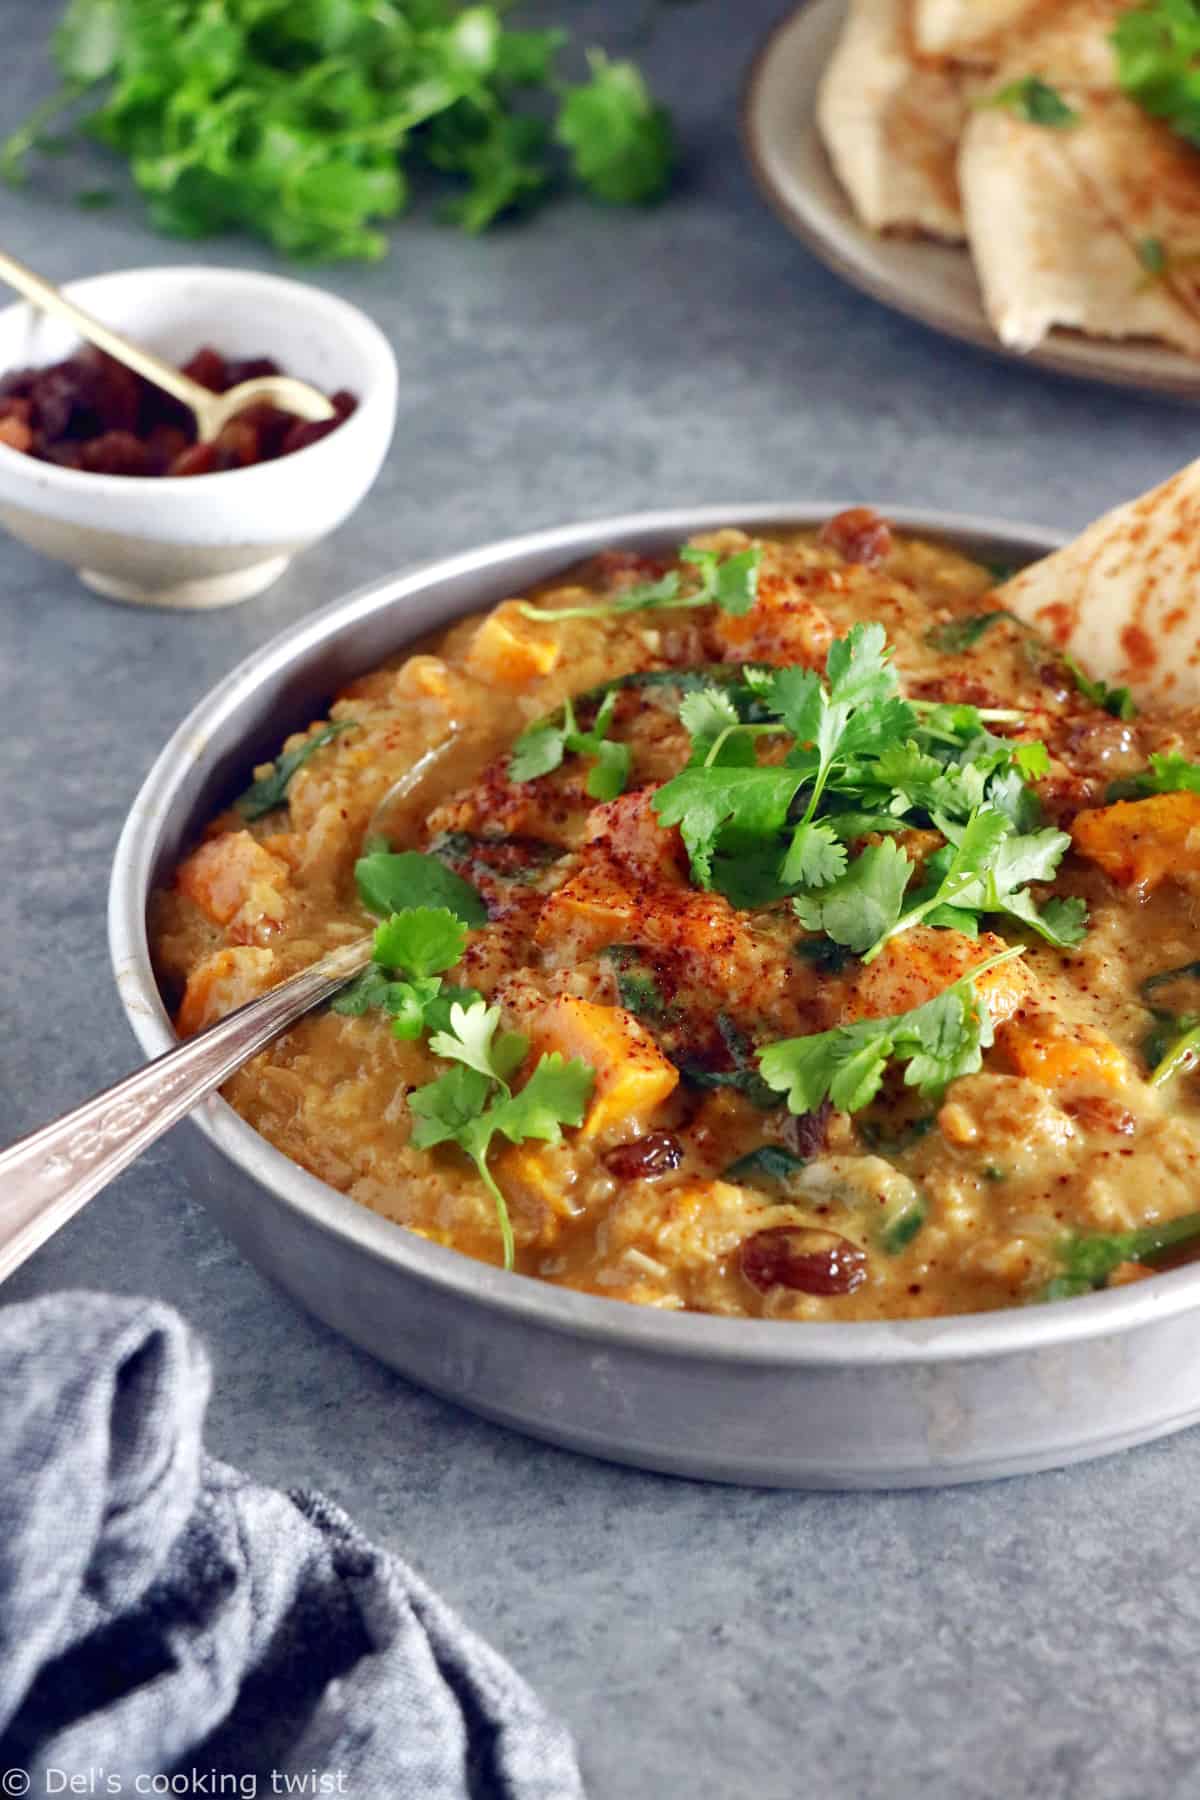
(867, 1343)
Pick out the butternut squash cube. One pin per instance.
(632, 1074)
(1054, 1054)
(506, 650)
(1139, 843)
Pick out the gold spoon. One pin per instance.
(211, 411)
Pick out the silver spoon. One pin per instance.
(212, 411)
(46, 1177)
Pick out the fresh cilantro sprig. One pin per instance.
(473, 1101)
(727, 582)
(936, 1043)
(412, 951)
(541, 749)
(270, 790)
(1089, 1260)
(301, 123)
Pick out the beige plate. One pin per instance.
(931, 282)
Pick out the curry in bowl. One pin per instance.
(777, 928)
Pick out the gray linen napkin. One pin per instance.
(161, 1614)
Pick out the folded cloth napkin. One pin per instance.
(168, 1626)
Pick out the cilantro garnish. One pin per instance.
(301, 123)
(473, 1101)
(864, 761)
(417, 946)
(729, 582)
(937, 1042)
(541, 749)
(1117, 701)
(1168, 773)
(1035, 101)
(270, 790)
(393, 882)
(1087, 1261)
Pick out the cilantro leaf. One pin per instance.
(540, 750)
(937, 1042)
(422, 941)
(473, 1101)
(1035, 101)
(863, 904)
(702, 800)
(270, 790)
(816, 856)
(392, 882)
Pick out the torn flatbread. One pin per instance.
(1120, 598)
(891, 125)
(966, 29)
(1046, 250)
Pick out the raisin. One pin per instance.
(655, 1154)
(249, 368)
(811, 1262)
(305, 432)
(208, 368)
(235, 446)
(115, 453)
(858, 535)
(197, 459)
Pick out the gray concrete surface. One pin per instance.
(1035, 1638)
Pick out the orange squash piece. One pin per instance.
(919, 964)
(632, 1074)
(223, 981)
(507, 653)
(237, 883)
(1054, 1054)
(1139, 843)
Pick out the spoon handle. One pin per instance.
(49, 299)
(46, 1177)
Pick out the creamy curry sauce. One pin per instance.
(908, 1208)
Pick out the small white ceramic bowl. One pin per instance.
(204, 540)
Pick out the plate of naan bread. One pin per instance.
(1020, 174)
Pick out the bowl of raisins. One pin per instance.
(101, 470)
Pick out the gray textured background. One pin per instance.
(1036, 1638)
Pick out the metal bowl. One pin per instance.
(870, 1405)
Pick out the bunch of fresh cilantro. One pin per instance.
(301, 121)
(864, 761)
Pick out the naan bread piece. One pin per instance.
(966, 29)
(891, 125)
(1064, 41)
(1123, 597)
(1148, 181)
(1045, 250)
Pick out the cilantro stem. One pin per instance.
(479, 1158)
(1181, 1056)
(750, 730)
